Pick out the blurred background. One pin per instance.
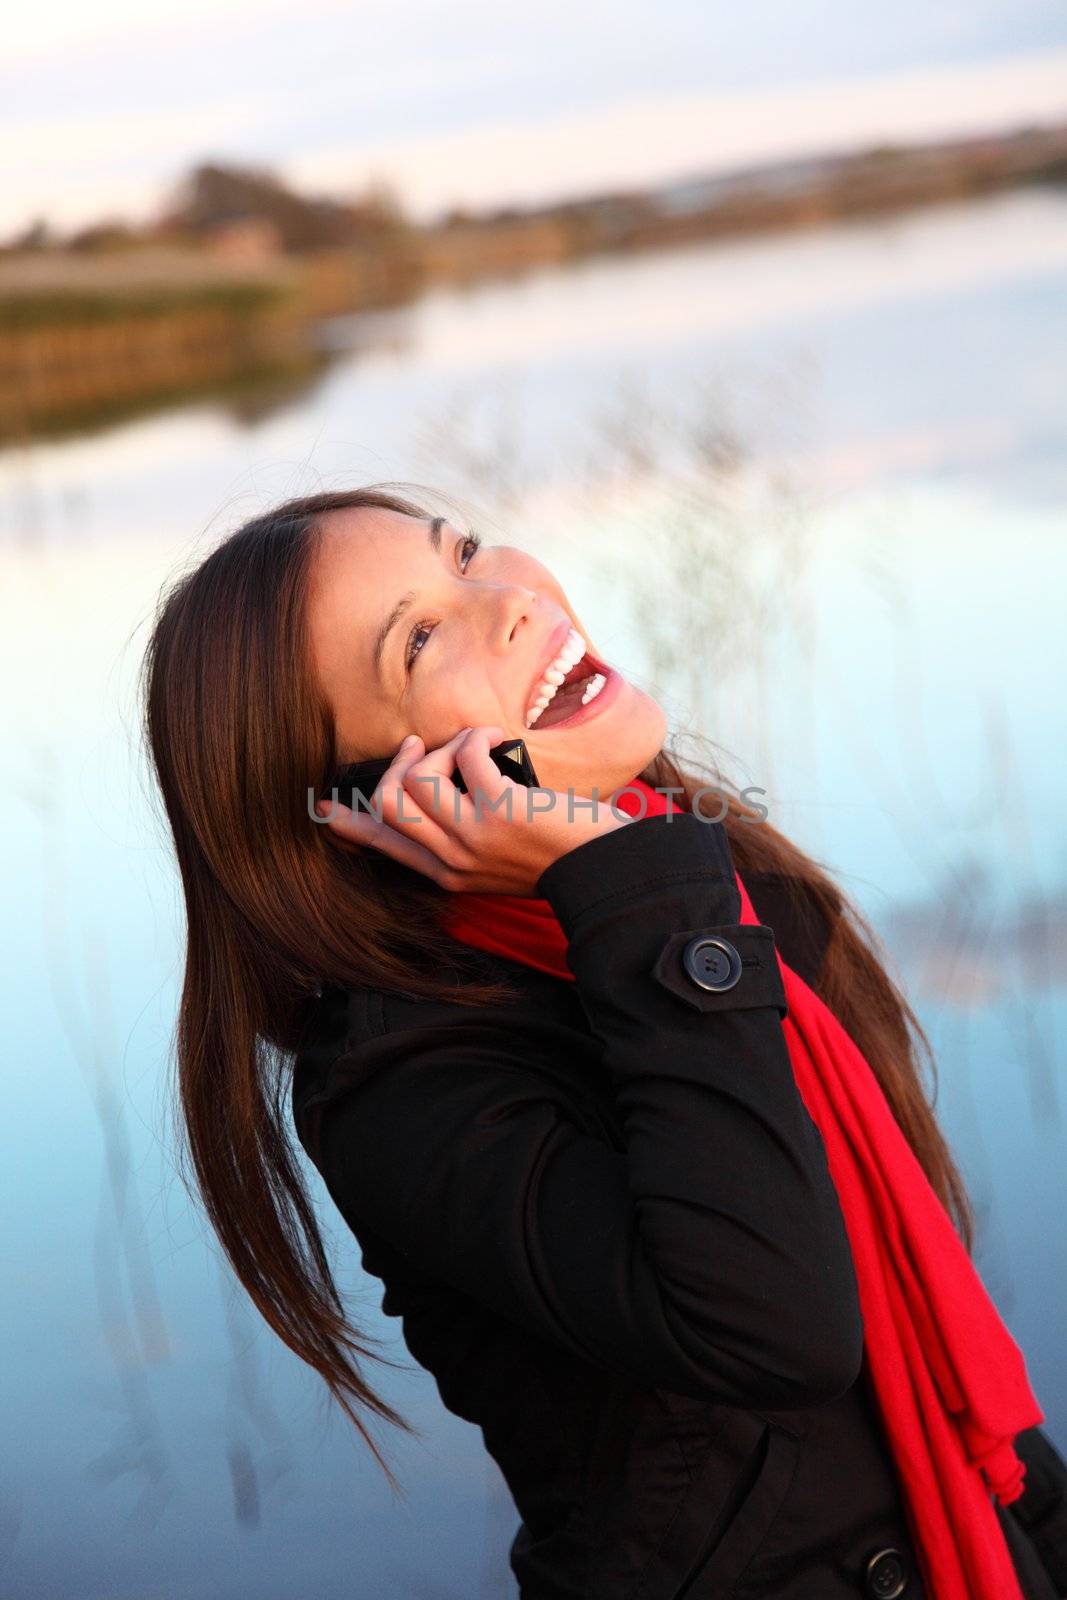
(751, 322)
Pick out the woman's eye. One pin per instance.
(475, 542)
(472, 540)
(420, 627)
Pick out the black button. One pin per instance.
(886, 1575)
(711, 962)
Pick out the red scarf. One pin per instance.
(949, 1380)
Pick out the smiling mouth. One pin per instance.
(582, 683)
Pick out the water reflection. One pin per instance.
(259, 1446)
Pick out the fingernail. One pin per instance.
(410, 740)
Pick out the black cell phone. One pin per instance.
(510, 757)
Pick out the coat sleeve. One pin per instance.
(710, 1256)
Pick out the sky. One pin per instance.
(104, 107)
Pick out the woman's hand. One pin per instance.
(498, 838)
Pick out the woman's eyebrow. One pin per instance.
(433, 534)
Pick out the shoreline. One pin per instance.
(89, 337)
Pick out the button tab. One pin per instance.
(724, 967)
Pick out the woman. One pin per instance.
(549, 1061)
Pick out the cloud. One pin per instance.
(465, 104)
(538, 157)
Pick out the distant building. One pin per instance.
(778, 178)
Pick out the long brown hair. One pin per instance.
(238, 733)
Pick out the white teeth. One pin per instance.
(573, 650)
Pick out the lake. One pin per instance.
(810, 490)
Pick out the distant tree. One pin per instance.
(213, 196)
(37, 235)
(882, 152)
(100, 237)
(380, 206)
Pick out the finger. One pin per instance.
(340, 819)
(362, 828)
(480, 772)
(428, 780)
(411, 749)
(441, 760)
(411, 791)
(390, 788)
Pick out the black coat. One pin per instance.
(607, 1222)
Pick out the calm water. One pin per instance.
(812, 493)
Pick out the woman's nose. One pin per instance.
(516, 605)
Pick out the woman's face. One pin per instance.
(472, 632)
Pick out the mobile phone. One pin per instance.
(510, 757)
